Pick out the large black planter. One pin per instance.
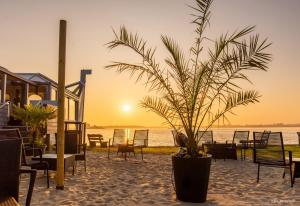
(191, 177)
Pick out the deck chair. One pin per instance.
(140, 140)
(119, 140)
(273, 155)
(10, 156)
(204, 137)
(27, 152)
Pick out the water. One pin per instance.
(163, 136)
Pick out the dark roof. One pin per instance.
(41, 79)
(44, 80)
(6, 71)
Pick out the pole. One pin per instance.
(61, 105)
(3, 93)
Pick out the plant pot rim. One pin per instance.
(202, 157)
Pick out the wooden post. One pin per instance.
(61, 106)
(25, 94)
(3, 92)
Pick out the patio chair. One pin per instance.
(140, 140)
(119, 140)
(273, 155)
(10, 155)
(204, 137)
(240, 141)
(261, 139)
(27, 152)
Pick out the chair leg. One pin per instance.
(241, 154)
(292, 176)
(283, 175)
(85, 165)
(108, 151)
(142, 153)
(258, 173)
(75, 164)
(47, 172)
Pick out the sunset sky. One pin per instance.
(29, 43)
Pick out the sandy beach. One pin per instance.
(136, 182)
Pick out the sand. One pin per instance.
(136, 182)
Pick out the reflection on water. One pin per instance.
(163, 136)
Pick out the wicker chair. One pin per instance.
(24, 131)
(118, 140)
(10, 153)
(27, 152)
(273, 155)
(204, 137)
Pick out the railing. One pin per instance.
(4, 113)
(3, 105)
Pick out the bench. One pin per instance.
(96, 138)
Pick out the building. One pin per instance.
(25, 88)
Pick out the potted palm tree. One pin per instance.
(195, 93)
(35, 116)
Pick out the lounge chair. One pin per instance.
(27, 152)
(10, 155)
(273, 155)
(140, 140)
(240, 141)
(204, 137)
(119, 140)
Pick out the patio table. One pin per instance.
(69, 160)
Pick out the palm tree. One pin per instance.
(36, 117)
(196, 93)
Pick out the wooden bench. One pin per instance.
(96, 138)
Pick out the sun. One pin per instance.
(126, 108)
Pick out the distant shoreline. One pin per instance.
(223, 126)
